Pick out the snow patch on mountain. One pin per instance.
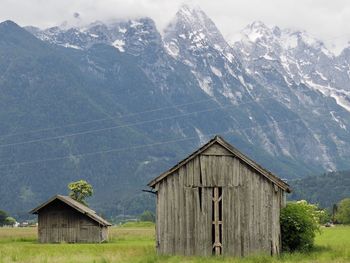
(216, 71)
(172, 49)
(295, 70)
(329, 164)
(340, 96)
(67, 45)
(119, 44)
(135, 23)
(205, 83)
(338, 120)
(202, 138)
(122, 30)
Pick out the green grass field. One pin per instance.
(135, 243)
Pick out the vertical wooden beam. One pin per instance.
(182, 214)
(217, 222)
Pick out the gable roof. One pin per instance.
(75, 205)
(217, 139)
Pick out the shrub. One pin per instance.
(3, 216)
(10, 221)
(299, 223)
(324, 217)
(343, 211)
(147, 216)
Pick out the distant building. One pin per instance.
(217, 201)
(24, 224)
(62, 219)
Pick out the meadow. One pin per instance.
(135, 243)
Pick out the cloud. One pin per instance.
(327, 20)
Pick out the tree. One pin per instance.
(299, 223)
(147, 216)
(334, 212)
(324, 216)
(343, 211)
(3, 216)
(10, 221)
(80, 190)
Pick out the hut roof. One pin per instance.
(75, 205)
(217, 139)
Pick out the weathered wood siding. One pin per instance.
(59, 222)
(250, 209)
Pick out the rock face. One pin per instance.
(292, 76)
(307, 78)
(118, 103)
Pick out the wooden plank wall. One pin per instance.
(60, 223)
(251, 208)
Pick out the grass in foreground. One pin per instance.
(135, 243)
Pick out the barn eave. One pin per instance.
(217, 139)
(75, 205)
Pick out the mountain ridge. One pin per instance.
(325, 190)
(202, 84)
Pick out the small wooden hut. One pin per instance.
(62, 219)
(218, 201)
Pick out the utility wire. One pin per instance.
(128, 125)
(104, 119)
(141, 112)
(132, 124)
(149, 145)
(144, 145)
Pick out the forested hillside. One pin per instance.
(326, 189)
(117, 104)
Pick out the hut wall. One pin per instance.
(104, 233)
(250, 208)
(59, 222)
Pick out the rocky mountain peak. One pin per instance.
(274, 93)
(192, 13)
(193, 27)
(289, 65)
(258, 31)
(132, 35)
(8, 23)
(9, 27)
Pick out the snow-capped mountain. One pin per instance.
(136, 33)
(308, 78)
(282, 71)
(289, 67)
(304, 59)
(279, 95)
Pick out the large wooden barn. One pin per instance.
(218, 201)
(62, 219)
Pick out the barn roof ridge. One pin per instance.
(75, 205)
(218, 139)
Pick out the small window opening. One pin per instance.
(200, 174)
(200, 198)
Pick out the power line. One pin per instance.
(131, 124)
(127, 125)
(159, 143)
(104, 119)
(144, 145)
(149, 145)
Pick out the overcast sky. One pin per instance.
(328, 20)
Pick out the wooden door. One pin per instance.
(208, 221)
(54, 228)
(217, 222)
(83, 231)
(63, 224)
